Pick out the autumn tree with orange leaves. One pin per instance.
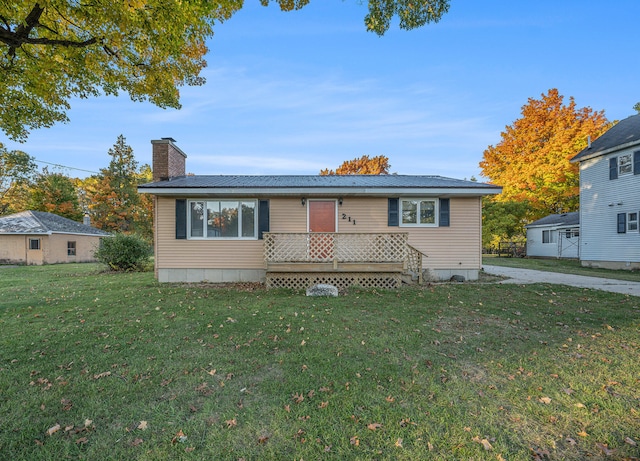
(531, 162)
(362, 165)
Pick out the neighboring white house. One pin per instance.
(554, 236)
(610, 198)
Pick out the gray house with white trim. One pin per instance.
(610, 198)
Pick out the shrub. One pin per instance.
(124, 252)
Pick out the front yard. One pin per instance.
(115, 366)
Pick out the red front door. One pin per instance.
(322, 220)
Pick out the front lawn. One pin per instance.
(103, 366)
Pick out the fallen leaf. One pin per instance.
(324, 389)
(545, 400)
(354, 440)
(398, 443)
(374, 426)
(189, 449)
(582, 434)
(630, 441)
(287, 408)
(571, 441)
(142, 426)
(430, 446)
(390, 399)
(605, 448)
(231, 423)
(323, 405)
(53, 429)
(136, 442)
(263, 439)
(82, 441)
(579, 405)
(484, 442)
(179, 437)
(297, 398)
(102, 375)
(68, 428)
(327, 448)
(311, 393)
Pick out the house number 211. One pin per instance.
(344, 216)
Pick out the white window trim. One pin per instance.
(628, 165)
(631, 222)
(39, 244)
(436, 212)
(205, 237)
(551, 237)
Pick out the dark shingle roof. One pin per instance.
(564, 219)
(391, 181)
(623, 134)
(40, 222)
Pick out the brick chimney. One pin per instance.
(168, 160)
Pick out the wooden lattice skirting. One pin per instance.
(342, 281)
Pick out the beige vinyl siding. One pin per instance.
(457, 246)
(454, 247)
(287, 215)
(204, 254)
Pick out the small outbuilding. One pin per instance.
(554, 236)
(37, 237)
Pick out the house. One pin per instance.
(294, 231)
(554, 236)
(610, 198)
(36, 237)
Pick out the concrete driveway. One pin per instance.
(525, 276)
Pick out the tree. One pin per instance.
(16, 168)
(111, 197)
(362, 165)
(55, 193)
(503, 221)
(636, 107)
(53, 50)
(531, 162)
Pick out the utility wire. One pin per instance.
(63, 166)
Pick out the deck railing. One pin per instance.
(324, 247)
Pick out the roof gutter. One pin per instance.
(599, 153)
(320, 191)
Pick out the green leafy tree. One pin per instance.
(503, 221)
(111, 197)
(636, 107)
(16, 169)
(53, 50)
(55, 193)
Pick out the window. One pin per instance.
(571, 233)
(71, 248)
(632, 222)
(625, 166)
(34, 244)
(419, 212)
(547, 236)
(222, 219)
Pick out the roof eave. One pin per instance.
(599, 153)
(321, 191)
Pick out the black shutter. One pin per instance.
(181, 219)
(393, 214)
(636, 162)
(613, 168)
(622, 223)
(444, 213)
(263, 218)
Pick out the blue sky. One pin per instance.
(292, 93)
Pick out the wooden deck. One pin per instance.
(299, 260)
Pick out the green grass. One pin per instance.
(562, 265)
(126, 366)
